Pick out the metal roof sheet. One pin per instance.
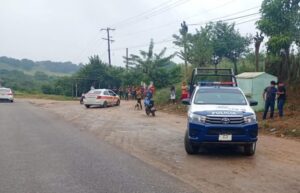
(250, 75)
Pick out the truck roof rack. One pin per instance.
(214, 76)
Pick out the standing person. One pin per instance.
(184, 91)
(172, 94)
(269, 96)
(281, 97)
(139, 97)
(126, 90)
(143, 91)
(133, 93)
(152, 88)
(115, 90)
(129, 92)
(121, 92)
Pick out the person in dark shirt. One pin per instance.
(281, 97)
(269, 96)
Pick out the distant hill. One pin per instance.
(31, 67)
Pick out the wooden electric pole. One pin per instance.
(109, 40)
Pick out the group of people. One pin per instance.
(135, 92)
(184, 92)
(129, 92)
(270, 95)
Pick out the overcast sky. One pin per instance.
(69, 30)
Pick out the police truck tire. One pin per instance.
(189, 147)
(249, 149)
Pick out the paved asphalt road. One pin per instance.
(41, 153)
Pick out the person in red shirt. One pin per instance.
(152, 88)
(184, 91)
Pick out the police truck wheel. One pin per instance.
(189, 147)
(249, 149)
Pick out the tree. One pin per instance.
(216, 38)
(280, 21)
(228, 42)
(201, 47)
(258, 40)
(182, 40)
(154, 66)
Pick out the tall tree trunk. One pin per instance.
(256, 59)
(258, 39)
(235, 67)
(287, 64)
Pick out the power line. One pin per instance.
(175, 22)
(143, 13)
(168, 8)
(230, 19)
(236, 13)
(143, 45)
(152, 12)
(247, 21)
(171, 40)
(109, 40)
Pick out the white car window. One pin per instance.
(106, 93)
(4, 90)
(94, 92)
(111, 93)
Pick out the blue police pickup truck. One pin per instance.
(219, 113)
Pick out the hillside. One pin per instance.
(31, 67)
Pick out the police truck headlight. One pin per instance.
(197, 118)
(250, 119)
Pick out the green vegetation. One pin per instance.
(215, 43)
(280, 21)
(42, 96)
(32, 77)
(30, 67)
(217, 39)
(100, 75)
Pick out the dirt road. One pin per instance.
(159, 142)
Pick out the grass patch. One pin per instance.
(42, 96)
(162, 96)
(162, 101)
(292, 132)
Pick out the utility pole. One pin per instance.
(109, 40)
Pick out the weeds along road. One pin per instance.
(41, 153)
(158, 141)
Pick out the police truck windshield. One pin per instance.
(219, 96)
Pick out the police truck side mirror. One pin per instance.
(186, 101)
(253, 103)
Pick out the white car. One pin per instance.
(101, 97)
(6, 94)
